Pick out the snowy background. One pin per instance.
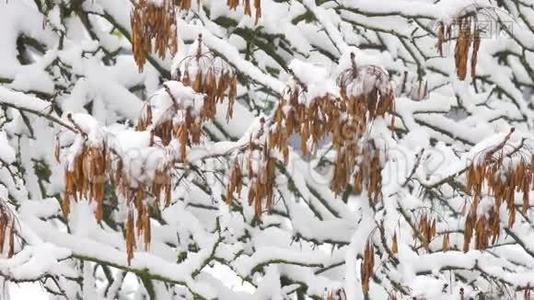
(262, 149)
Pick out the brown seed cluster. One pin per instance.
(154, 25)
(208, 75)
(259, 169)
(426, 230)
(141, 199)
(261, 177)
(367, 266)
(154, 28)
(234, 185)
(310, 122)
(394, 244)
(503, 174)
(373, 98)
(187, 130)
(8, 230)
(85, 178)
(364, 162)
(211, 77)
(366, 93)
(92, 165)
(468, 35)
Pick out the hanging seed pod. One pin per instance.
(445, 245)
(130, 237)
(468, 230)
(234, 183)
(527, 293)
(394, 244)
(232, 4)
(468, 35)
(463, 43)
(232, 93)
(367, 266)
(57, 150)
(248, 11)
(8, 230)
(257, 7)
(441, 38)
(11, 246)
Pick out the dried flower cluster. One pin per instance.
(468, 35)
(504, 174)
(153, 28)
